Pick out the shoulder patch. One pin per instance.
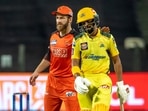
(79, 35)
(107, 34)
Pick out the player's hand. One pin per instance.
(81, 85)
(32, 79)
(123, 91)
(86, 82)
(105, 29)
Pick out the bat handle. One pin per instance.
(121, 104)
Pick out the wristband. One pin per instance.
(75, 70)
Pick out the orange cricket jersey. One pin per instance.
(60, 60)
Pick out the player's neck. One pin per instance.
(65, 31)
(94, 33)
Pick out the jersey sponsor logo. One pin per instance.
(94, 57)
(105, 86)
(53, 42)
(84, 46)
(70, 93)
(60, 52)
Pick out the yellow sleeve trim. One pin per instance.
(75, 70)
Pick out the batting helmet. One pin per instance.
(87, 13)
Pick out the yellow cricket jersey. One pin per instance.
(94, 53)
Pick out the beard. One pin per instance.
(89, 29)
(61, 27)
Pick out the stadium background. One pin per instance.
(25, 26)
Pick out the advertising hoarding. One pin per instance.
(18, 82)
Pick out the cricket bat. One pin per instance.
(121, 101)
(121, 104)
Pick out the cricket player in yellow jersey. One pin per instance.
(92, 51)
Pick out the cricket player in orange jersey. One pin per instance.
(60, 82)
(92, 51)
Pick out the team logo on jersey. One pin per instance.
(53, 42)
(101, 45)
(84, 46)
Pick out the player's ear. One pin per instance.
(70, 19)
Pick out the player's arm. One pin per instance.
(43, 64)
(123, 90)
(117, 67)
(114, 54)
(80, 84)
(75, 58)
(75, 67)
(41, 67)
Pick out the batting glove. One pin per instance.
(123, 91)
(81, 85)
